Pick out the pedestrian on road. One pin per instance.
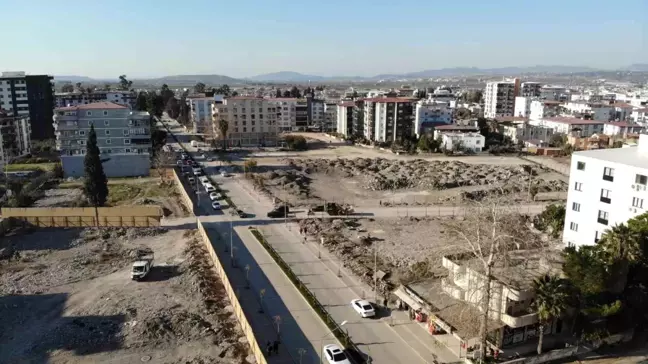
(275, 347)
(269, 348)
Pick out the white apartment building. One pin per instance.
(126, 98)
(15, 138)
(123, 137)
(499, 98)
(530, 89)
(522, 106)
(606, 187)
(389, 119)
(525, 132)
(345, 114)
(431, 112)
(621, 128)
(317, 114)
(201, 112)
(473, 142)
(563, 125)
(597, 110)
(252, 121)
(286, 113)
(540, 109)
(640, 116)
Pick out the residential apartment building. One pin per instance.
(472, 142)
(540, 109)
(286, 113)
(555, 93)
(201, 113)
(123, 137)
(387, 119)
(345, 114)
(429, 113)
(522, 106)
(640, 116)
(330, 117)
(593, 110)
(564, 125)
(525, 132)
(126, 98)
(621, 128)
(530, 89)
(15, 138)
(499, 98)
(316, 114)
(606, 187)
(302, 115)
(252, 121)
(29, 95)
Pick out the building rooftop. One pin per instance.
(568, 120)
(624, 124)
(457, 127)
(390, 99)
(93, 106)
(511, 118)
(630, 156)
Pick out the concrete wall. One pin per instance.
(231, 294)
(186, 199)
(125, 216)
(115, 165)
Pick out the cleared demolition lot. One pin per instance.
(67, 297)
(375, 181)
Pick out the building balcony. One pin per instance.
(516, 321)
(139, 131)
(517, 295)
(66, 126)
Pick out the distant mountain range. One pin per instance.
(296, 77)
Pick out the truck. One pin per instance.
(142, 265)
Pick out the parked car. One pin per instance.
(363, 307)
(191, 180)
(203, 180)
(216, 205)
(215, 196)
(197, 171)
(224, 173)
(209, 159)
(179, 162)
(242, 214)
(209, 187)
(334, 355)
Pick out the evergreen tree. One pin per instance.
(95, 185)
(141, 104)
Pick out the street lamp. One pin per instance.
(325, 336)
(247, 276)
(261, 294)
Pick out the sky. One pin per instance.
(144, 38)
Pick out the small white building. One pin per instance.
(431, 112)
(524, 131)
(544, 109)
(345, 118)
(564, 125)
(473, 142)
(201, 113)
(640, 116)
(621, 128)
(606, 187)
(523, 106)
(597, 111)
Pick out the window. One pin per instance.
(477, 142)
(125, 131)
(127, 150)
(606, 195)
(127, 141)
(608, 174)
(576, 206)
(105, 113)
(578, 186)
(108, 141)
(81, 132)
(637, 202)
(640, 179)
(107, 132)
(88, 113)
(597, 236)
(580, 166)
(573, 226)
(106, 122)
(603, 217)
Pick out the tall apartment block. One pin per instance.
(15, 137)
(499, 98)
(252, 121)
(32, 96)
(530, 89)
(123, 137)
(388, 119)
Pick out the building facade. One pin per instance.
(471, 142)
(123, 138)
(540, 109)
(431, 112)
(345, 116)
(388, 119)
(565, 125)
(522, 106)
(126, 98)
(201, 113)
(525, 132)
(330, 117)
(29, 95)
(530, 89)
(252, 121)
(316, 114)
(15, 138)
(499, 98)
(606, 187)
(621, 128)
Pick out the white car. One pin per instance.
(191, 180)
(209, 187)
(216, 205)
(363, 307)
(334, 355)
(197, 171)
(215, 196)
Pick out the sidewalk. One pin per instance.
(299, 325)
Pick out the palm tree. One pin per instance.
(621, 247)
(552, 297)
(222, 127)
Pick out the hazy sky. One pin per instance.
(238, 38)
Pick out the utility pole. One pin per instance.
(375, 277)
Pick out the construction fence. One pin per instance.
(231, 294)
(80, 217)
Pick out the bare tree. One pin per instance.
(493, 235)
(162, 161)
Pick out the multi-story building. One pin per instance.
(316, 114)
(606, 187)
(123, 137)
(302, 115)
(15, 137)
(621, 128)
(330, 117)
(593, 110)
(523, 131)
(473, 142)
(201, 113)
(499, 98)
(563, 125)
(286, 113)
(29, 95)
(555, 93)
(522, 107)
(252, 121)
(126, 98)
(345, 118)
(431, 113)
(388, 119)
(540, 109)
(530, 89)
(640, 116)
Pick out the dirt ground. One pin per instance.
(66, 297)
(371, 182)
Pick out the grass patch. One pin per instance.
(341, 335)
(30, 167)
(128, 193)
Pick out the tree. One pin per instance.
(141, 103)
(551, 301)
(287, 94)
(296, 142)
(155, 104)
(162, 161)
(68, 87)
(166, 93)
(95, 185)
(79, 87)
(249, 166)
(199, 88)
(621, 248)
(173, 108)
(224, 90)
(423, 143)
(158, 140)
(278, 92)
(106, 87)
(223, 125)
(294, 92)
(124, 83)
(552, 220)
